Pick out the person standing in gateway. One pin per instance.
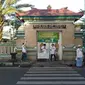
(43, 48)
(52, 52)
(24, 52)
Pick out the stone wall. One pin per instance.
(67, 37)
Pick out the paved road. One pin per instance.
(42, 73)
(10, 75)
(52, 76)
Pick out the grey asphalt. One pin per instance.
(52, 73)
(11, 75)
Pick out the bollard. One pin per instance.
(13, 57)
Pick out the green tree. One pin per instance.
(8, 7)
(5, 8)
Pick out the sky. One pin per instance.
(74, 5)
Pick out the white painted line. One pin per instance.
(37, 72)
(52, 82)
(50, 78)
(52, 75)
(51, 69)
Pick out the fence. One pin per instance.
(5, 50)
(69, 54)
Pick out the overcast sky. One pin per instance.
(74, 5)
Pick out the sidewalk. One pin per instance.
(69, 62)
(53, 63)
(16, 64)
(26, 63)
(35, 63)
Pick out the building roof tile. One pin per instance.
(48, 12)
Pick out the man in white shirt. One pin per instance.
(79, 52)
(43, 48)
(52, 52)
(24, 52)
(79, 56)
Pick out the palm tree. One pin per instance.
(5, 8)
(8, 7)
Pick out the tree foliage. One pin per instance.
(8, 7)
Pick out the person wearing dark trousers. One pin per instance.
(52, 52)
(53, 55)
(24, 52)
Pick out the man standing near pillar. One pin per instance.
(52, 52)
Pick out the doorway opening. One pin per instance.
(45, 39)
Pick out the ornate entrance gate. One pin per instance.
(45, 40)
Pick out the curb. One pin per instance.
(22, 64)
(27, 64)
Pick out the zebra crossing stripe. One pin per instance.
(52, 75)
(37, 72)
(52, 82)
(50, 68)
(51, 78)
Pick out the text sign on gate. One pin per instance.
(48, 36)
(53, 26)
